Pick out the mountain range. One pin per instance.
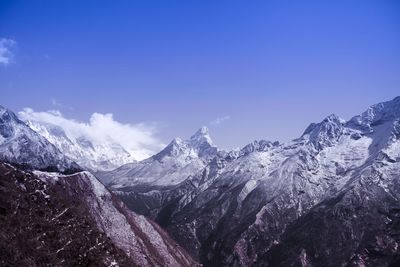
(327, 198)
(91, 154)
(54, 213)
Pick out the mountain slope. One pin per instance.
(75, 220)
(43, 226)
(250, 207)
(21, 145)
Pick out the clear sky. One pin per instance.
(267, 68)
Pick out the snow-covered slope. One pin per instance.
(91, 155)
(252, 206)
(179, 160)
(21, 145)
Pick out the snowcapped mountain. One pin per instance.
(328, 198)
(66, 217)
(91, 155)
(21, 145)
(179, 160)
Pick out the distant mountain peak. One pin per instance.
(203, 130)
(7, 115)
(199, 144)
(202, 135)
(87, 152)
(333, 118)
(19, 144)
(325, 133)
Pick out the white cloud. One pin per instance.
(220, 120)
(138, 139)
(55, 103)
(58, 105)
(6, 54)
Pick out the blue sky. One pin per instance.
(269, 68)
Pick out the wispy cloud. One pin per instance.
(220, 120)
(138, 139)
(55, 103)
(6, 51)
(58, 105)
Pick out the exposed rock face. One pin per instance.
(328, 198)
(49, 219)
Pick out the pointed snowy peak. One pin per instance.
(176, 148)
(6, 119)
(202, 144)
(199, 145)
(325, 133)
(329, 120)
(7, 115)
(333, 118)
(173, 149)
(9, 125)
(201, 136)
(21, 145)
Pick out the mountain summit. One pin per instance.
(201, 136)
(19, 144)
(88, 153)
(325, 133)
(172, 165)
(199, 145)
